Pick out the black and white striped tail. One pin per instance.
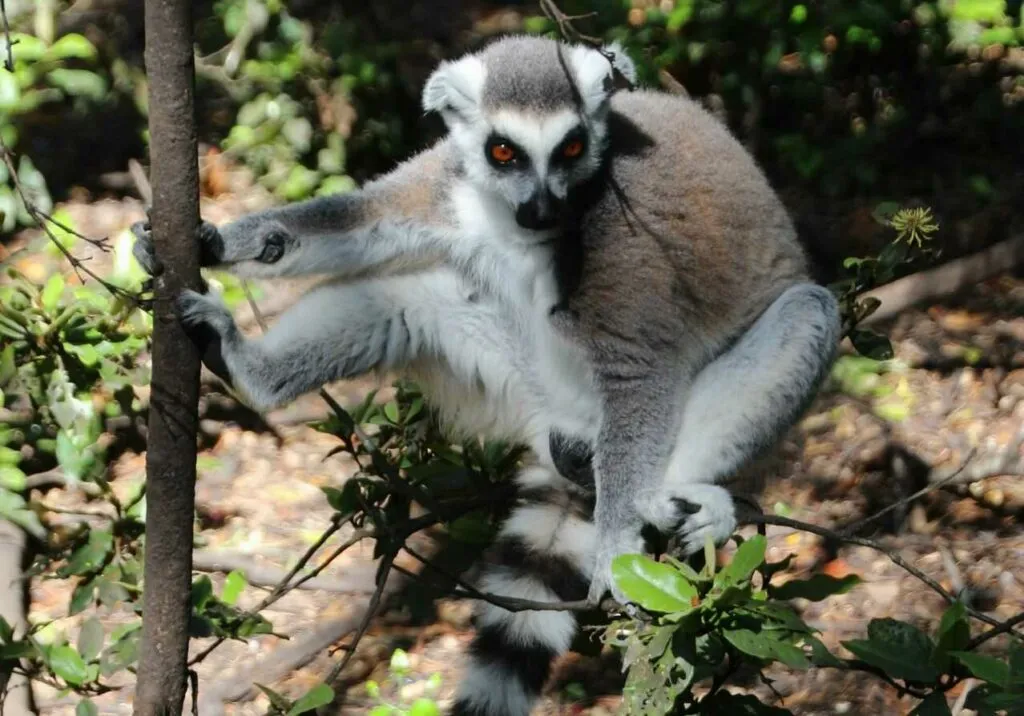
(543, 553)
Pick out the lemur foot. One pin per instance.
(693, 512)
(210, 325)
(197, 309)
(610, 546)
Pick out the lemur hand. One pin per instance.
(265, 243)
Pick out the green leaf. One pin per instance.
(818, 587)
(391, 412)
(52, 292)
(820, 655)
(277, 701)
(986, 668)
(202, 592)
(234, 584)
(86, 707)
(319, 695)
(72, 46)
(8, 368)
(953, 635)
(902, 663)
(27, 48)
(934, 705)
(763, 646)
(79, 83)
(884, 212)
(91, 556)
(67, 663)
(11, 477)
(90, 639)
(871, 344)
(654, 586)
(14, 508)
(82, 596)
(84, 352)
(424, 707)
(1016, 679)
(748, 557)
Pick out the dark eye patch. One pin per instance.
(497, 147)
(572, 147)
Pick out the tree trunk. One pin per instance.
(173, 419)
(17, 696)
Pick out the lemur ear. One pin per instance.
(454, 88)
(595, 73)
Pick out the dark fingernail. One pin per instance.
(690, 508)
(273, 247)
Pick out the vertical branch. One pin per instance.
(173, 420)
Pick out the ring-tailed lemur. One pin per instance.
(589, 272)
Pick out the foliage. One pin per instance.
(68, 363)
(45, 77)
(696, 629)
(914, 228)
(301, 86)
(821, 92)
(399, 676)
(839, 98)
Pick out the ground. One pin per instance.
(955, 393)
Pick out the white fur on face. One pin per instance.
(454, 89)
(537, 135)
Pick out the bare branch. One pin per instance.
(43, 222)
(382, 579)
(855, 527)
(9, 60)
(894, 556)
(1006, 627)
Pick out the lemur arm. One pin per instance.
(344, 330)
(735, 407)
(637, 428)
(396, 220)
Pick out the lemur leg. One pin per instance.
(740, 405)
(336, 331)
(544, 553)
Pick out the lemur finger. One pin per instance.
(196, 309)
(211, 244)
(274, 246)
(143, 249)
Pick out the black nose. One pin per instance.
(539, 212)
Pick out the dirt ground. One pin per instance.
(955, 391)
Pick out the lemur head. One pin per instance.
(529, 117)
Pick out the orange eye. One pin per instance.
(573, 149)
(502, 153)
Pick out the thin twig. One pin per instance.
(932, 487)
(101, 244)
(565, 23)
(285, 585)
(895, 557)
(43, 222)
(357, 536)
(382, 579)
(9, 60)
(1007, 627)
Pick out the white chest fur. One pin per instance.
(517, 378)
